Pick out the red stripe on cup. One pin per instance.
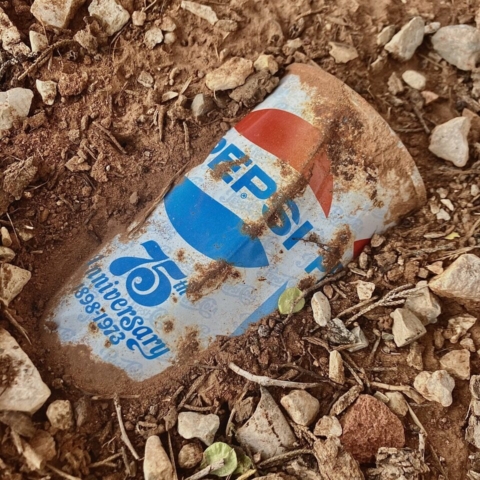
(296, 142)
(359, 245)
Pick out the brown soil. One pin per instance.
(71, 214)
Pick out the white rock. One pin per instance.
(322, 312)
(145, 79)
(202, 11)
(414, 79)
(27, 393)
(190, 455)
(14, 104)
(461, 280)
(415, 356)
(361, 340)
(170, 38)
(12, 281)
(385, 35)
(435, 386)
(403, 45)
(458, 45)
(328, 426)
(291, 46)
(406, 327)
(6, 238)
(397, 403)
(266, 62)
(168, 24)
(267, 431)
(458, 326)
(10, 38)
(365, 289)
(153, 37)
(472, 432)
(47, 90)
(336, 370)
(475, 386)
(429, 97)
(227, 25)
(196, 425)
(342, 53)
(38, 41)
(424, 304)
(156, 464)
(87, 40)
(6, 254)
(201, 105)
(469, 344)
(55, 14)
(457, 363)
(138, 18)
(432, 27)
(231, 74)
(450, 141)
(110, 14)
(60, 414)
(443, 215)
(302, 407)
(395, 84)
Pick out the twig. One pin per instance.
(271, 462)
(435, 456)
(312, 12)
(172, 457)
(193, 388)
(61, 473)
(126, 462)
(203, 473)
(110, 136)
(460, 251)
(187, 139)
(15, 323)
(357, 306)
(270, 382)
(161, 120)
(416, 420)
(391, 388)
(471, 232)
(13, 228)
(374, 350)
(43, 58)
(125, 438)
(420, 118)
(101, 463)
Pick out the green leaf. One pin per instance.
(288, 298)
(220, 451)
(244, 463)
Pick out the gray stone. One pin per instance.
(361, 340)
(156, 464)
(195, 425)
(328, 426)
(302, 407)
(457, 363)
(230, 75)
(38, 41)
(385, 35)
(202, 11)
(26, 392)
(60, 414)
(461, 280)
(336, 371)
(47, 90)
(55, 14)
(12, 281)
(201, 105)
(407, 327)
(267, 432)
(190, 455)
(322, 312)
(450, 141)
(338, 333)
(397, 403)
(424, 304)
(342, 53)
(404, 44)
(458, 45)
(414, 79)
(435, 386)
(110, 14)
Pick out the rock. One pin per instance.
(6, 255)
(346, 400)
(401, 464)
(87, 40)
(10, 38)
(459, 45)
(6, 238)
(365, 290)
(461, 280)
(43, 444)
(468, 344)
(55, 14)
(19, 422)
(231, 74)
(338, 333)
(25, 391)
(397, 403)
(458, 326)
(368, 425)
(168, 24)
(170, 38)
(84, 412)
(336, 371)
(429, 97)
(414, 79)
(457, 363)
(38, 41)
(14, 104)
(435, 386)
(17, 176)
(334, 462)
(196, 425)
(291, 46)
(302, 407)
(266, 62)
(190, 455)
(201, 105)
(342, 53)
(156, 464)
(267, 431)
(322, 312)
(406, 327)
(424, 304)
(145, 79)
(395, 84)
(432, 27)
(276, 476)
(72, 84)
(475, 386)
(138, 18)
(227, 25)
(403, 45)
(328, 426)
(153, 37)
(385, 35)
(110, 14)
(361, 340)
(47, 90)
(202, 11)
(415, 356)
(12, 281)
(450, 141)
(77, 164)
(472, 432)
(60, 414)
(255, 89)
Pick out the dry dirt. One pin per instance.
(71, 214)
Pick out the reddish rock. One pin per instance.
(368, 425)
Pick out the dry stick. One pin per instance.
(125, 438)
(206, 471)
(374, 350)
(187, 139)
(198, 381)
(270, 382)
(284, 456)
(434, 453)
(43, 58)
(101, 463)
(15, 323)
(172, 457)
(13, 228)
(126, 462)
(110, 136)
(161, 120)
(357, 306)
(422, 121)
(460, 251)
(60, 473)
(416, 420)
